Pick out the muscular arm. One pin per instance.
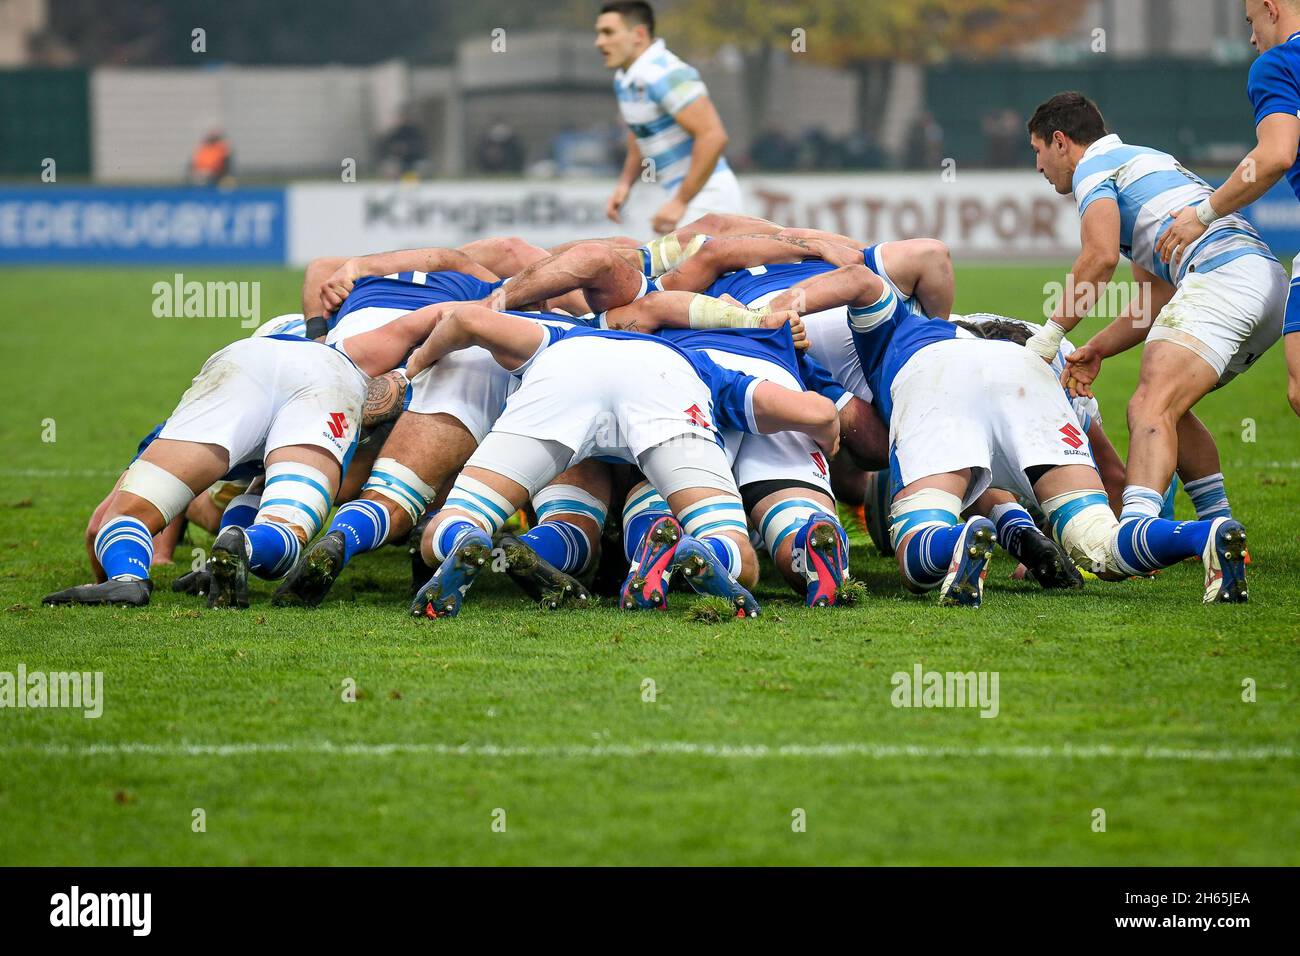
(504, 256)
(1127, 330)
(1268, 162)
(701, 120)
(854, 285)
(1100, 237)
(719, 256)
(434, 259)
(511, 340)
(1132, 325)
(384, 397)
(777, 409)
(688, 310)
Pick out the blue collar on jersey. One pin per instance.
(1293, 36)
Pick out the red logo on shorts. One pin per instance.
(1071, 436)
(820, 461)
(338, 424)
(697, 416)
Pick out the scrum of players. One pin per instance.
(664, 413)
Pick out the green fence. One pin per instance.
(44, 114)
(1180, 106)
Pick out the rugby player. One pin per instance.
(673, 127)
(1219, 308)
(967, 414)
(294, 405)
(644, 401)
(1274, 91)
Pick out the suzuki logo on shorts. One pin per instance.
(338, 424)
(697, 416)
(820, 461)
(1072, 436)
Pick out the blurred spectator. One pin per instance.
(821, 150)
(210, 163)
(402, 150)
(1004, 139)
(772, 150)
(925, 143)
(500, 150)
(861, 151)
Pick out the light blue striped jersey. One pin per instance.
(1149, 186)
(291, 323)
(651, 92)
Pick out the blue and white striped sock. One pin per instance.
(241, 512)
(928, 554)
(728, 553)
(364, 525)
(1143, 545)
(272, 549)
(563, 544)
(1210, 497)
(124, 548)
(449, 536)
(1011, 520)
(1140, 502)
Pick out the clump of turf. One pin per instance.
(850, 592)
(711, 610)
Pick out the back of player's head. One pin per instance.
(1072, 114)
(996, 328)
(634, 13)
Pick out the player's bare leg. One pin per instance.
(547, 560)
(306, 479)
(806, 542)
(155, 489)
(863, 435)
(1293, 370)
(422, 453)
(1020, 537)
(935, 549)
(1139, 544)
(1171, 381)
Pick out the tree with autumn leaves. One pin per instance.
(869, 37)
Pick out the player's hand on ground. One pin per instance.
(668, 216)
(614, 205)
(337, 287)
(1186, 229)
(1082, 366)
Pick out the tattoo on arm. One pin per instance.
(383, 400)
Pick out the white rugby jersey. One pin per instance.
(651, 92)
(1150, 186)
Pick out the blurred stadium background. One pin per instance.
(353, 127)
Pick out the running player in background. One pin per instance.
(672, 124)
(1274, 90)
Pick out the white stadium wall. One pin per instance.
(980, 215)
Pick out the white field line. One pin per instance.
(832, 751)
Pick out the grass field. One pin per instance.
(1124, 697)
